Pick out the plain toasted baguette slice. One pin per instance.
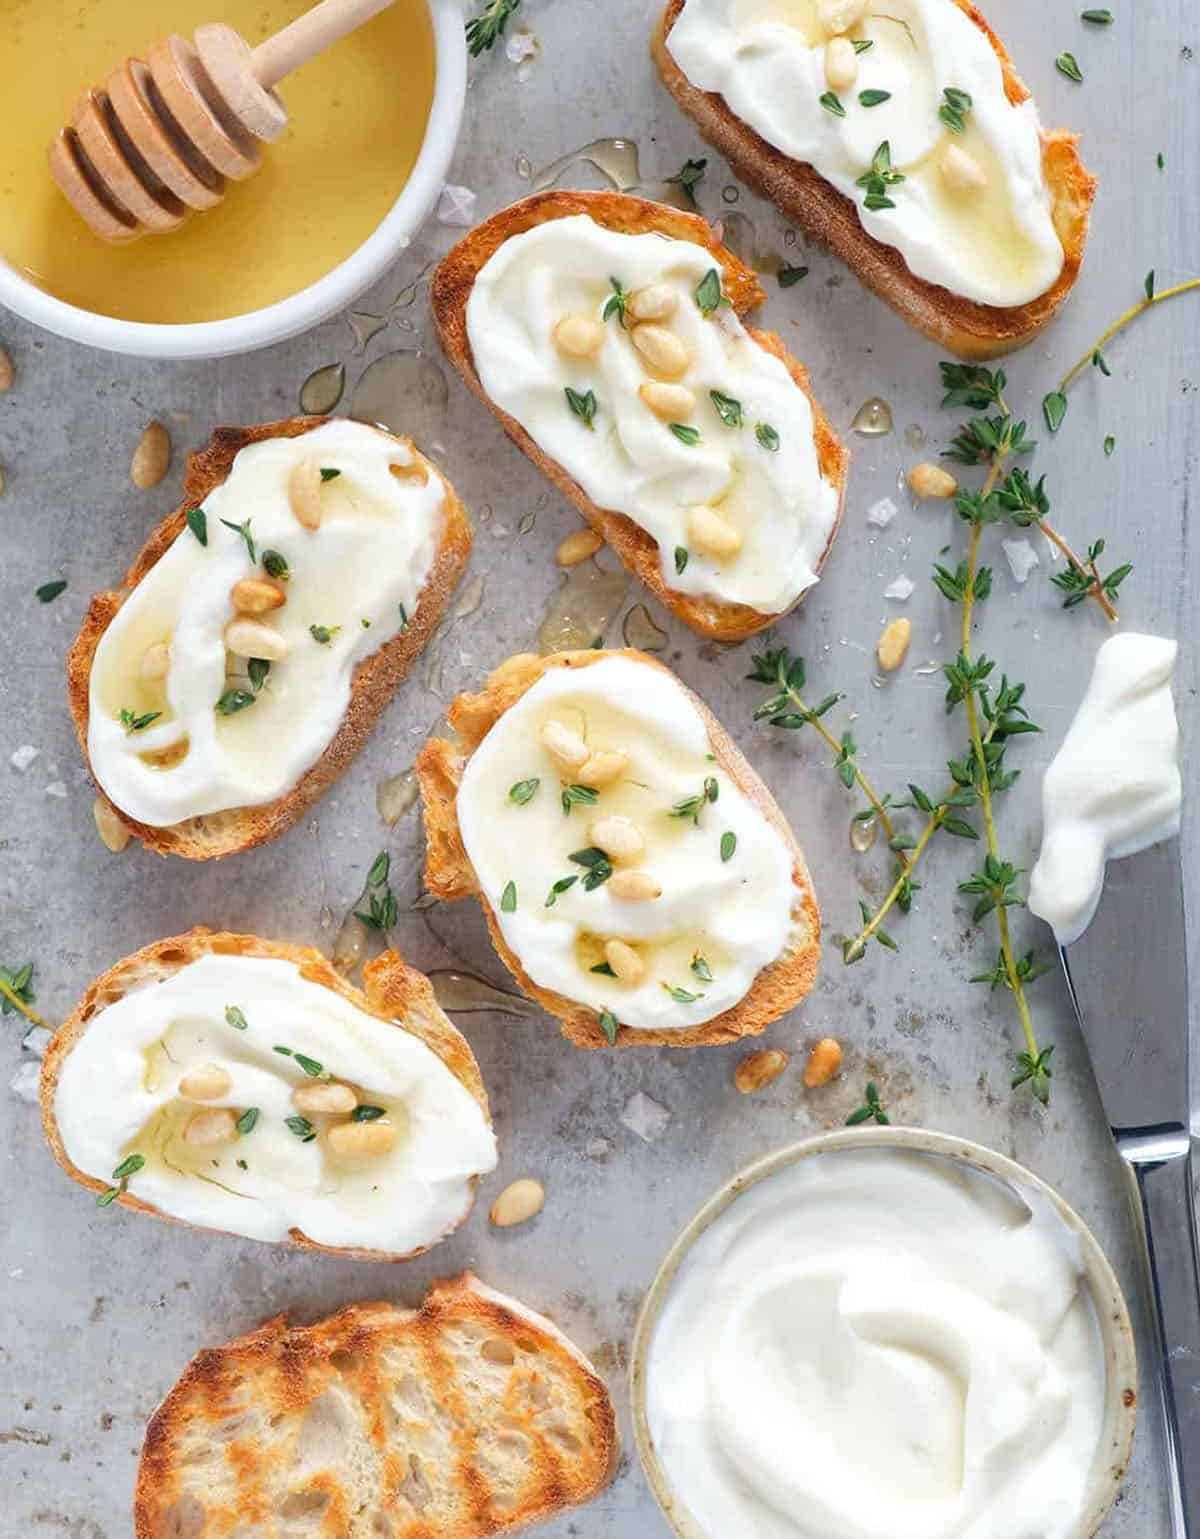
(375, 679)
(392, 991)
(468, 1416)
(968, 329)
(451, 289)
(449, 874)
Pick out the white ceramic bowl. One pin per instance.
(1116, 1333)
(297, 313)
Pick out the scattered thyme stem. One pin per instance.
(15, 999)
(860, 780)
(864, 935)
(1097, 590)
(1119, 325)
(985, 786)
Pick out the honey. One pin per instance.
(357, 117)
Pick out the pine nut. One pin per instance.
(758, 1070)
(927, 480)
(656, 302)
(207, 1083)
(114, 835)
(578, 547)
(152, 457)
(579, 336)
(823, 1063)
(633, 886)
(662, 349)
(518, 1203)
(565, 747)
(7, 372)
(619, 838)
(257, 595)
(251, 638)
(712, 533)
(892, 647)
(841, 64)
(962, 172)
(155, 663)
(673, 403)
(331, 1099)
(414, 471)
(353, 1139)
(211, 1127)
(603, 768)
(304, 493)
(624, 961)
(840, 15)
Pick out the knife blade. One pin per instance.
(1127, 976)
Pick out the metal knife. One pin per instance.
(1127, 974)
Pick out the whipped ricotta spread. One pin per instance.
(749, 456)
(351, 584)
(723, 875)
(119, 1094)
(1114, 786)
(980, 227)
(879, 1345)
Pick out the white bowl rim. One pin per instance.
(311, 305)
(1112, 1313)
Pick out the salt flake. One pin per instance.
(1022, 558)
(36, 1040)
(520, 46)
(901, 589)
(456, 206)
(57, 788)
(645, 1117)
(24, 1083)
(881, 513)
(24, 757)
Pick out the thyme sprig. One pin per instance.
(484, 30)
(688, 178)
(872, 1108)
(16, 993)
(382, 910)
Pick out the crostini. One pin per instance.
(637, 877)
(262, 629)
(899, 136)
(242, 1085)
(468, 1416)
(606, 333)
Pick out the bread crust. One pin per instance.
(390, 989)
(967, 329)
(450, 290)
(376, 678)
(290, 1367)
(448, 872)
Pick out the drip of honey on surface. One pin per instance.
(357, 119)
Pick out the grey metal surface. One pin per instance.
(100, 1310)
(1127, 975)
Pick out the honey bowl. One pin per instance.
(374, 125)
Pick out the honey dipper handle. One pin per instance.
(309, 35)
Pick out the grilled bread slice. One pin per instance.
(440, 765)
(451, 289)
(470, 1415)
(392, 991)
(968, 329)
(375, 679)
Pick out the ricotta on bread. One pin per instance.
(636, 875)
(239, 1085)
(899, 135)
(467, 1416)
(608, 335)
(262, 631)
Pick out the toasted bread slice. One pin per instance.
(451, 289)
(449, 874)
(471, 1415)
(968, 329)
(375, 679)
(392, 991)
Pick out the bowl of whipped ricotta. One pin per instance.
(885, 1333)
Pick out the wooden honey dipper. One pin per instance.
(161, 136)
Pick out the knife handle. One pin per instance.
(1165, 1189)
